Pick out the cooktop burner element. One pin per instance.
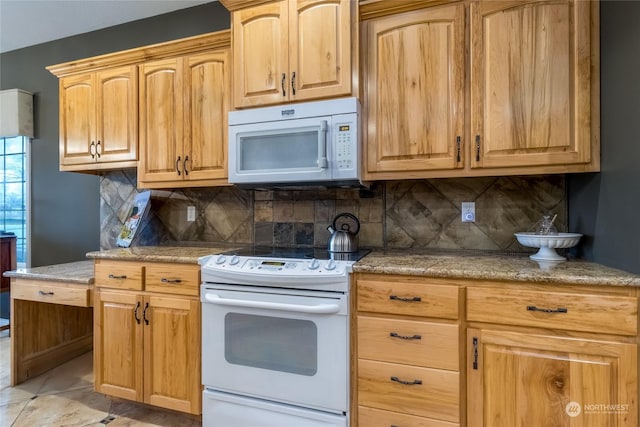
(299, 253)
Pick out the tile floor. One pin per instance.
(64, 396)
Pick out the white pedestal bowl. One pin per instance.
(547, 257)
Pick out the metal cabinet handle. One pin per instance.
(144, 313)
(547, 310)
(405, 337)
(45, 293)
(164, 280)
(477, 148)
(92, 149)
(135, 313)
(414, 382)
(475, 353)
(112, 276)
(178, 165)
(184, 165)
(405, 299)
(293, 83)
(458, 144)
(99, 149)
(284, 76)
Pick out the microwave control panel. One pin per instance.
(345, 146)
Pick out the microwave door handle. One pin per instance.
(322, 161)
(298, 308)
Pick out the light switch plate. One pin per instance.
(468, 212)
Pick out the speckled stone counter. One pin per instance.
(474, 265)
(80, 272)
(177, 254)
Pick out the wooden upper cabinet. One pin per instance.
(260, 54)
(414, 70)
(99, 119)
(530, 83)
(207, 93)
(183, 121)
(292, 50)
(160, 121)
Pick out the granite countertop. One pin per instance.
(177, 254)
(80, 272)
(485, 266)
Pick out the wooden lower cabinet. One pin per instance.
(408, 352)
(525, 379)
(147, 348)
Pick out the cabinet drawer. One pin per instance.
(173, 278)
(119, 274)
(437, 396)
(413, 299)
(77, 296)
(432, 345)
(370, 417)
(557, 310)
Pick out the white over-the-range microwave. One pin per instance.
(312, 143)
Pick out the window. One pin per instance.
(14, 192)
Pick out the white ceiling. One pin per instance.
(29, 22)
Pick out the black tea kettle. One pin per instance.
(343, 239)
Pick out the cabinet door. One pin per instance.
(207, 86)
(117, 114)
(77, 120)
(161, 121)
(522, 380)
(260, 55)
(172, 353)
(320, 48)
(415, 92)
(530, 83)
(118, 344)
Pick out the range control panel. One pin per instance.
(277, 266)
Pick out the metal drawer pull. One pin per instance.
(414, 382)
(397, 298)
(405, 337)
(163, 280)
(547, 310)
(45, 293)
(111, 276)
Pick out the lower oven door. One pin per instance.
(226, 410)
(281, 345)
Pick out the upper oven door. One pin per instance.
(282, 151)
(277, 346)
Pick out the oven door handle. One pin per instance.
(298, 308)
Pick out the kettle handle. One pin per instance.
(347, 215)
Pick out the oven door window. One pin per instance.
(273, 343)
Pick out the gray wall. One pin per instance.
(65, 206)
(606, 206)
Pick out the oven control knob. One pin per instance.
(221, 259)
(331, 265)
(234, 260)
(314, 264)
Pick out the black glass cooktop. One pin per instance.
(299, 253)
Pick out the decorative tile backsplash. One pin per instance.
(394, 214)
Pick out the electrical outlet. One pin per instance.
(191, 213)
(468, 212)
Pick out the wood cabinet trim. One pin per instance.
(199, 43)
